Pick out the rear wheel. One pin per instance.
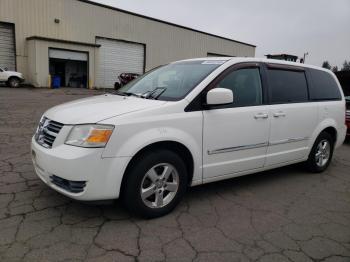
(13, 82)
(155, 184)
(321, 153)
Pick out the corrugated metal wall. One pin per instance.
(82, 22)
(7, 47)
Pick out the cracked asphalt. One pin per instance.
(281, 215)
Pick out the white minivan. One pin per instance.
(188, 123)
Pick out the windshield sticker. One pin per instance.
(213, 62)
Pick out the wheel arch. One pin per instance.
(332, 131)
(174, 146)
(329, 126)
(11, 77)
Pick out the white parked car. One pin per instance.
(11, 78)
(187, 123)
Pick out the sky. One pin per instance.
(318, 27)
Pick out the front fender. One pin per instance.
(147, 137)
(129, 140)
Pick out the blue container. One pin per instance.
(56, 82)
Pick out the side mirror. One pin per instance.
(6, 69)
(117, 85)
(219, 96)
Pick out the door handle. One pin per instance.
(261, 115)
(279, 114)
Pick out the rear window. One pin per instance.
(324, 86)
(287, 86)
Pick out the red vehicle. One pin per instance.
(344, 80)
(125, 78)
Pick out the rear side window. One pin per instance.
(324, 86)
(287, 86)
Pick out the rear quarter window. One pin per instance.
(324, 86)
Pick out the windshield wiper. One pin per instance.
(121, 93)
(154, 94)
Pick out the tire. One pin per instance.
(321, 153)
(13, 82)
(160, 196)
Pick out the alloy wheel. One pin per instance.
(14, 83)
(323, 152)
(159, 185)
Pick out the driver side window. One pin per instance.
(246, 87)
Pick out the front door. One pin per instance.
(235, 137)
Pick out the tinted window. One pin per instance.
(324, 86)
(245, 85)
(287, 86)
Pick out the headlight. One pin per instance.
(40, 125)
(89, 135)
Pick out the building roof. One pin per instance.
(162, 21)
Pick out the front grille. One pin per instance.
(47, 132)
(68, 185)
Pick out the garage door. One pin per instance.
(7, 46)
(116, 57)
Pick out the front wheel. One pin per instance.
(13, 82)
(321, 153)
(155, 184)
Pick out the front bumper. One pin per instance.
(102, 176)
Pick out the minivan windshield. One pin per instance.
(171, 82)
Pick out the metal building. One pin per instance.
(89, 44)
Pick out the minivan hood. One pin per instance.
(98, 108)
